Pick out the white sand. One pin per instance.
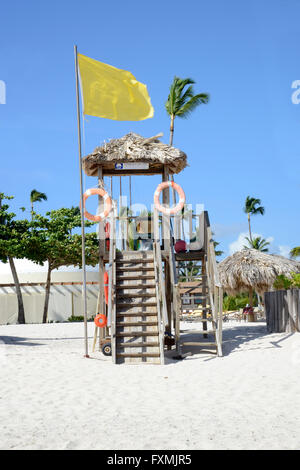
(51, 397)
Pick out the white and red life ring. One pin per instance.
(178, 207)
(107, 204)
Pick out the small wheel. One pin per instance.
(106, 349)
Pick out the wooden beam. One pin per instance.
(101, 299)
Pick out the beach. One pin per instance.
(51, 397)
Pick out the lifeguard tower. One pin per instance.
(143, 305)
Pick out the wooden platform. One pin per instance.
(190, 255)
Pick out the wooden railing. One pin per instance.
(126, 228)
(214, 285)
(175, 294)
(160, 304)
(160, 274)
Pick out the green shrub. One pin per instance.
(236, 302)
(79, 318)
(295, 280)
(283, 283)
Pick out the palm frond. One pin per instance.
(295, 252)
(251, 204)
(37, 196)
(180, 102)
(190, 105)
(258, 243)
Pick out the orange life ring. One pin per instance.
(107, 204)
(165, 210)
(100, 320)
(106, 287)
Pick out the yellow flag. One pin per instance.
(112, 93)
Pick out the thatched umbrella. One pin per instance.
(251, 270)
(135, 148)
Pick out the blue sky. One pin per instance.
(244, 142)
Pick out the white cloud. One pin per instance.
(239, 244)
(284, 250)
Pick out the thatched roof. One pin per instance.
(135, 148)
(251, 268)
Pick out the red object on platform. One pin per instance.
(107, 230)
(180, 246)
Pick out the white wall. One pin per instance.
(61, 304)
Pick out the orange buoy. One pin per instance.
(165, 210)
(107, 204)
(106, 287)
(100, 320)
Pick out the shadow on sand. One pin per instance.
(17, 341)
(233, 339)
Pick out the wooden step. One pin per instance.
(134, 269)
(143, 309)
(153, 330)
(135, 304)
(134, 294)
(140, 277)
(141, 354)
(141, 344)
(205, 332)
(203, 320)
(135, 286)
(135, 254)
(198, 343)
(136, 314)
(136, 323)
(137, 295)
(134, 261)
(123, 334)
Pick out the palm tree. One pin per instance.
(216, 244)
(295, 252)
(258, 243)
(36, 196)
(252, 207)
(188, 270)
(180, 103)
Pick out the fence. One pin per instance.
(282, 309)
(65, 301)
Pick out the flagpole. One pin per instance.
(82, 215)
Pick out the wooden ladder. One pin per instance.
(138, 335)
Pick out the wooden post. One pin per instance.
(168, 290)
(220, 321)
(204, 295)
(166, 243)
(166, 218)
(101, 304)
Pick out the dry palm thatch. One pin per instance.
(251, 269)
(135, 148)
